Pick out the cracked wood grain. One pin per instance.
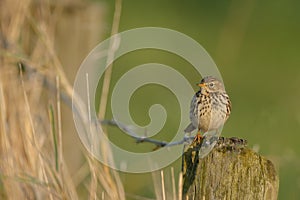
(229, 171)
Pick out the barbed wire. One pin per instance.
(141, 139)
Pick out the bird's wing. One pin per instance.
(189, 128)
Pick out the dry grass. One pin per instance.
(33, 87)
(32, 165)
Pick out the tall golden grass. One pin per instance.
(33, 90)
(32, 80)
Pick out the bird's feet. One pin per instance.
(198, 138)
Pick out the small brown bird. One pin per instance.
(210, 107)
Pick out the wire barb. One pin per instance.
(142, 139)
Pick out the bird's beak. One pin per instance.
(201, 85)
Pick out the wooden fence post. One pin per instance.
(229, 171)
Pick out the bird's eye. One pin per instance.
(211, 85)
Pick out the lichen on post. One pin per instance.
(229, 171)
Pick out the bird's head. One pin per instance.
(211, 84)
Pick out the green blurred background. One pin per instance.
(256, 46)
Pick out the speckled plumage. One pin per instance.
(210, 106)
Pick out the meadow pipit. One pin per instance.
(210, 107)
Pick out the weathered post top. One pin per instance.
(229, 171)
